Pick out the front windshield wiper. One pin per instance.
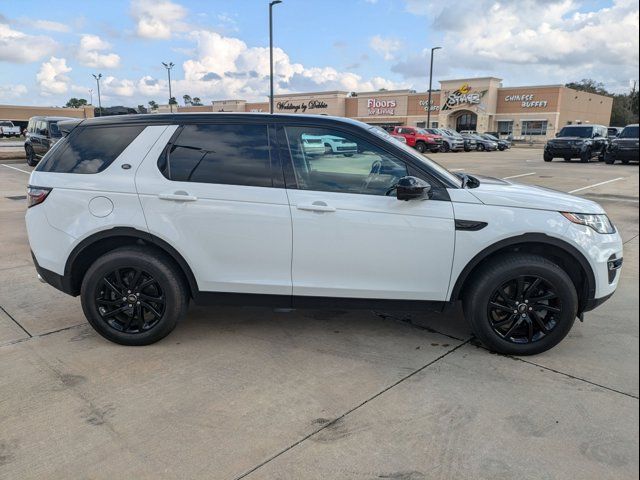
(468, 181)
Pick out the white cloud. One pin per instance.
(535, 40)
(157, 19)
(9, 92)
(18, 47)
(385, 46)
(49, 26)
(89, 53)
(51, 76)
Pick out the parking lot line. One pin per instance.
(518, 176)
(597, 184)
(15, 168)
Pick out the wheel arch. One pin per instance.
(101, 242)
(559, 251)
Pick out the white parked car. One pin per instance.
(139, 215)
(8, 129)
(313, 145)
(339, 145)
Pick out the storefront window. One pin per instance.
(434, 124)
(505, 127)
(534, 127)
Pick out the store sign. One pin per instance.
(302, 106)
(425, 103)
(375, 106)
(463, 96)
(526, 101)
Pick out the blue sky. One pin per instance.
(219, 47)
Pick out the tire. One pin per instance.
(609, 159)
(501, 148)
(160, 280)
(601, 155)
(421, 147)
(445, 147)
(503, 274)
(625, 162)
(547, 157)
(32, 160)
(585, 157)
(481, 147)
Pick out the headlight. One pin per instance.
(600, 223)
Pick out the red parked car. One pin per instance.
(420, 139)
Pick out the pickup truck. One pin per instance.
(8, 129)
(419, 138)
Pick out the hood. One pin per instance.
(494, 191)
(566, 139)
(625, 141)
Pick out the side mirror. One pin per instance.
(412, 188)
(557, 134)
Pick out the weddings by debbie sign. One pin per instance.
(301, 107)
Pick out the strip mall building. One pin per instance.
(479, 104)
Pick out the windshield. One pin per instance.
(427, 161)
(582, 132)
(55, 131)
(6, 124)
(629, 132)
(490, 137)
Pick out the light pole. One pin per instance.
(430, 80)
(271, 4)
(98, 77)
(91, 96)
(169, 66)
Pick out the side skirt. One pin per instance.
(287, 301)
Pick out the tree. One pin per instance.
(588, 85)
(153, 105)
(76, 102)
(173, 101)
(142, 109)
(187, 100)
(196, 101)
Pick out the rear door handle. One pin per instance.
(316, 207)
(179, 196)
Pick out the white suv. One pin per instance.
(140, 214)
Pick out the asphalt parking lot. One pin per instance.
(253, 393)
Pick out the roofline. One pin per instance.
(330, 92)
(469, 79)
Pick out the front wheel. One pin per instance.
(521, 304)
(481, 147)
(133, 296)
(421, 147)
(547, 157)
(445, 147)
(32, 161)
(585, 157)
(609, 158)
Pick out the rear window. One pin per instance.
(223, 154)
(90, 149)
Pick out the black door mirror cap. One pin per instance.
(412, 188)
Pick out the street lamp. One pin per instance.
(430, 79)
(169, 66)
(91, 96)
(98, 77)
(271, 4)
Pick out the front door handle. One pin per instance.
(179, 196)
(316, 207)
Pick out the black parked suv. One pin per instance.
(42, 134)
(578, 141)
(624, 147)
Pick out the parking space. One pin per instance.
(257, 393)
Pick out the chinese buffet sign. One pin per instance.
(526, 100)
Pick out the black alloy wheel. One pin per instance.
(134, 295)
(524, 309)
(130, 300)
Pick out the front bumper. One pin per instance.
(565, 151)
(631, 154)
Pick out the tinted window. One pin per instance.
(90, 149)
(582, 132)
(225, 154)
(629, 132)
(343, 163)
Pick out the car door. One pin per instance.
(351, 237)
(36, 140)
(209, 191)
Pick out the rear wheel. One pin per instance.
(609, 159)
(133, 297)
(521, 304)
